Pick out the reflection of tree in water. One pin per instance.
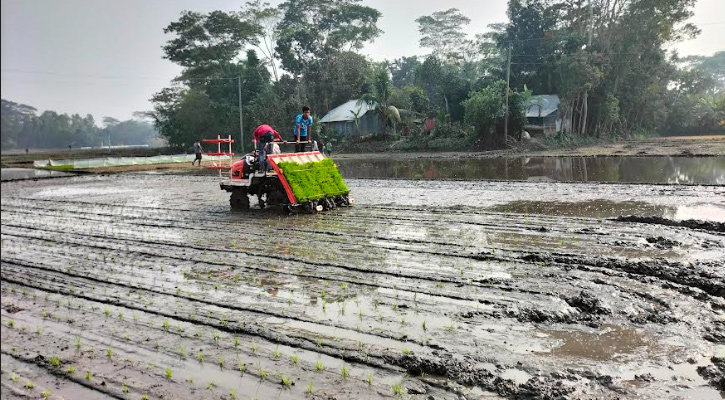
(691, 170)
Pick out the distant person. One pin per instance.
(328, 148)
(321, 146)
(302, 122)
(26, 150)
(264, 135)
(197, 150)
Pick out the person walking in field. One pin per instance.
(197, 150)
(264, 135)
(302, 122)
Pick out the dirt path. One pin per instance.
(150, 284)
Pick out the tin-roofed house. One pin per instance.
(354, 117)
(542, 116)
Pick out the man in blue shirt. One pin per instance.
(300, 133)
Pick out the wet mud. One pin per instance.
(146, 284)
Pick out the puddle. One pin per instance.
(674, 170)
(600, 208)
(13, 174)
(609, 343)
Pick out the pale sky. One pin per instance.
(103, 57)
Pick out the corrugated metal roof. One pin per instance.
(347, 111)
(542, 105)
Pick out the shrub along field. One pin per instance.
(115, 288)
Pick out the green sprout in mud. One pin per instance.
(145, 397)
(216, 337)
(295, 359)
(166, 325)
(71, 369)
(168, 372)
(343, 285)
(236, 341)
(124, 388)
(201, 357)
(109, 353)
(262, 374)
(11, 324)
(13, 377)
(55, 362)
(29, 384)
(126, 336)
(324, 306)
(180, 329)
(319, 342)
(120, 316)
(369, 379)
(287, 382)
(78, 342)
(276, 353)
(254, 348)
(43, 313)
(46, 393)
(309, 388)
(242, 367)
(221, 360)
(106, 312)
(25, 292)
(38, 329)
(323, 294)
(232, 394)
(182, 352)
(449, 328)
(344, 372)
(319, 366)
(197, 334)
(398, 389)
(135, 316)
(406, 351)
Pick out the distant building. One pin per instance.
(343, 119)
(542, 116)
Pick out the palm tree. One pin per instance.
(379, 97)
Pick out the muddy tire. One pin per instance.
(239, 201)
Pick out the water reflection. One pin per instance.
(600, 208)
(674, 170)
(10, 174)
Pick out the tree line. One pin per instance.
(609, 67)
(22, 127)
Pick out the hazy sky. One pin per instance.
(103, 57)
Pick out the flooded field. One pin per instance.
(672, 170)
(133, 285)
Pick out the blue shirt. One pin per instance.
(303, 124)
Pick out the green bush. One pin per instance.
(314, 180)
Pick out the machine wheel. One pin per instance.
(239, 200)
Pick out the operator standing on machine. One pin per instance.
(262, 136)
(300, 134)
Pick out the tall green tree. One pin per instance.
(311, 30)
(443, 33)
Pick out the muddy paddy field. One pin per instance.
(145, 285)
